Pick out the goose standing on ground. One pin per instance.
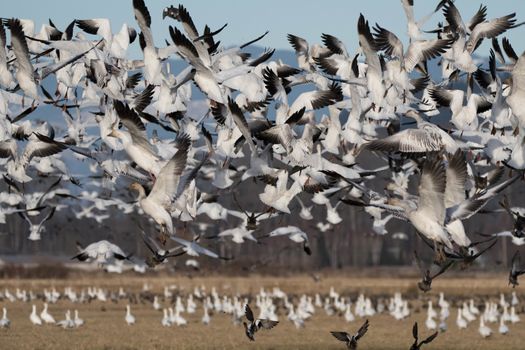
(483, 329)
(77, 320)
(46, 316)
(130, 319)
(34, 317)
(351, 340)
(4, 321)
(67, 323)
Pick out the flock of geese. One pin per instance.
(177, 307)
(130, 122)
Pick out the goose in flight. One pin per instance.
(134, 140)
(351, 340)
(295, 234)
(25, 74)
(427, 137)
(192, 248)
(103, 252)
(516, 269)
(159, 255)
(166, 189)
(255, 325)
(425, 284)
(418, 344)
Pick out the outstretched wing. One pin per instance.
(266, 324)
(342, 336)
(429, 339)
(362, 331)
(248, 313)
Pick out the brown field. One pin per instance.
(105, 327)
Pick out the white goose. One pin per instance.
(129, 318)
(67, 323)
(34, 317)
(4, 321)
(483, 329)
(166, 189)
(46, 316)
(77, 320)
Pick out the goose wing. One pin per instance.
(167, 182)
(432, 187)
(456, 177)
(407, 141)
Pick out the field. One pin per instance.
(105, 327)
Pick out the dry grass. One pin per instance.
(107, 329)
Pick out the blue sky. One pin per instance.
(248, 19)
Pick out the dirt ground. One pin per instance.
(105, 327)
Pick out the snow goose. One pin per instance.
(159, 255)
(25, 74)
(134, 141)
(516, 269)
(46, 316)
(295, 234)
(428, 214)
(77, 320)
(116, 44)
(192, 248)
(67, 323)
(129, 318)
(279, 196)
(464, 117)
(483, 329)
(351, 339)
(255, 325)
(460, 321)
(34, 318)
(503, 328)
(206, 317)
(374, 73)
(4, 321)
(418, 51)
(167, 187)
(417, 344)
(165, 321)
(103, 252)
(413, 26)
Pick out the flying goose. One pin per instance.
(255, 325)
(103, 252)
(427, 137)
(295, 234)
(159, 255)
(351, 340)
(25, 75)
(166, 189)
(425, 284)
(417, 345)
(516, 269)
